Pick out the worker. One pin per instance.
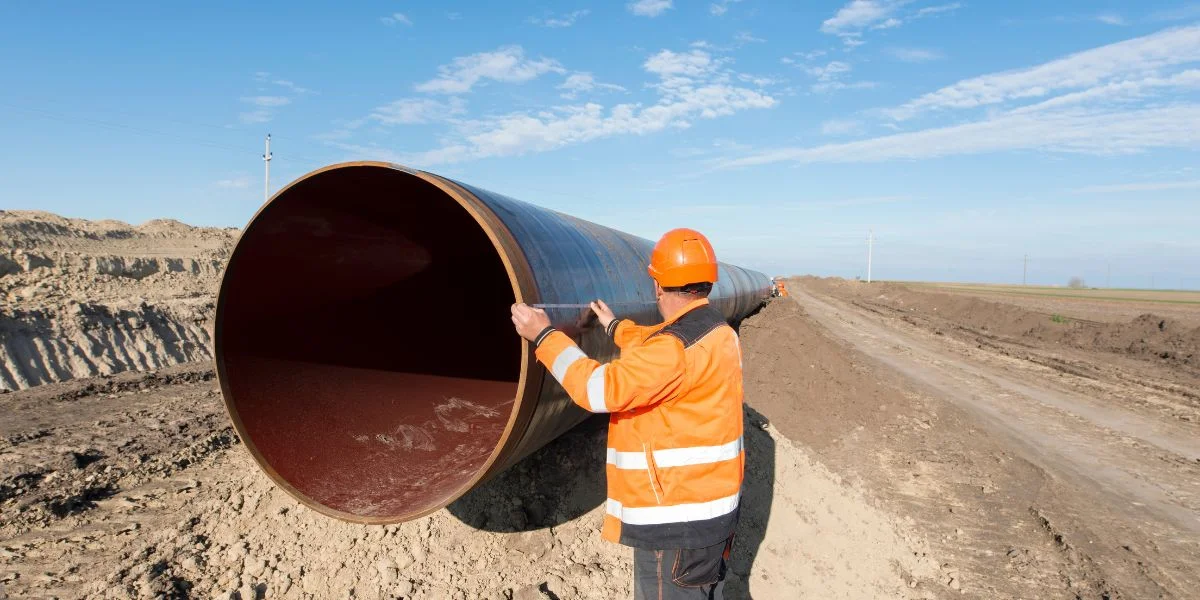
(675, 456)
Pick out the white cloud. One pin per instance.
(236, 183)
(577, 83)
(262, 112)
(941, 8)
(758, 80)
(396, 18)
(745, 37)
(408, 111)
(914, 55)
(830, 78)
(649, 8)
(1074, 131)
(1119, 91)
(842, 127)
(832, 70)
(721, 7)
(1148, 186)
(1111, 19)
(255, 116)
(860, 15)
(506, 64)
(266, 78)
(1143, 55)
(292, 87)
(691, 85)
(267, 101)
(825, 87)
(566, 20)
(666, 63)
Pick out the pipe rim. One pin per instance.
(525, 289)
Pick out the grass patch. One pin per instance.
(1057, 318)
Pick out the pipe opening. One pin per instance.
(364, 343)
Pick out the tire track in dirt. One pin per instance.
(1122, 490)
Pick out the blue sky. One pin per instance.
(965, 134)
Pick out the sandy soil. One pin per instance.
(81, 298)
(136, 486)
(1038, 477)
(1108, 306)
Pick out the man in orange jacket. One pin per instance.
(675, 457)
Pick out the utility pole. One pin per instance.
(870, 251)
(1025, 270)
(267, 177)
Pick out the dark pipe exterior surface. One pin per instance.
(342, 215)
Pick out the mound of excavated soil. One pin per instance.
(1148, 336)
(81, 298)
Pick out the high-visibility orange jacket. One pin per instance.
(675, 457)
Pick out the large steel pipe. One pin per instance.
(363, 339)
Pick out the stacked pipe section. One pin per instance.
(363, 339)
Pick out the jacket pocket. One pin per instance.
(698, 567)
(652, 473)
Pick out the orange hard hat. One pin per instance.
(681, 257)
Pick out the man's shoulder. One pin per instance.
(695, 325)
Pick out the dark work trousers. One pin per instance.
(680, 574)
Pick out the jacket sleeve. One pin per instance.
(626, 333)
(644, 375)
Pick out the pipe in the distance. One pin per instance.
(363, 339)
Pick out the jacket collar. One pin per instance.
(693, 305)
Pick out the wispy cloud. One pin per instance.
(560, 21)
(1074, 131)
(454, 16)
(267, 101)
(396, 19)
(235, 183)
(859, 16)
(255, 116)
(409, 111)
(263, 108)
(1148, 186)
(1143, 55)
(914, 55)
(691, 85)
(577, 83)
(1111, 19)
(831, 77)
(507, 64)
(266, 79)
(842, 127)
(649, 8)
(721, 7)
(745, 37)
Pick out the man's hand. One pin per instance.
(529, 321)
(603, 313)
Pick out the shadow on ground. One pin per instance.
(565, 480)
(561, 482)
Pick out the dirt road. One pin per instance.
(1122, 484)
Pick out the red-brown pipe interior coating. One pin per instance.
(365, 345)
